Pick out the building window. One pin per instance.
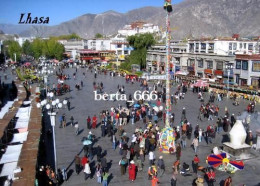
(119, 46)
(125, 52)
(200, 63)
(177, 60)
(234, 46)
(240, 45)
(211, 46)
(219, 65)
(250, 46)
(230, 46)
(244, 45)
(203, 46)
(209, 64)
(256, 66)
(238, 64)
(244, 65)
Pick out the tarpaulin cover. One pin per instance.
(13, 149)
(8, 169)
(7, 158)
(21, 124)
(24, 111)
(20, 137)
(5, 109)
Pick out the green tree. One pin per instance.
(27, 48)
(140, 43)
(37, 48)
(12, 48)
(98, 35)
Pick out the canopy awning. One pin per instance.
(8, 169)
(8, 158)
(20, 137)
(13, 149)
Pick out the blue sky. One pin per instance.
(63, 10)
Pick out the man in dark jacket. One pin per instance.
(98, 152)
(161, 166)
(104, 163)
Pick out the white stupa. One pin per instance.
(237, 134)
(237, 146)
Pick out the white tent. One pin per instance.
(5, 109)
(8, 169)
(23, 112)
(21, 124)
(13, 149)
(7, 158)
(20, 137)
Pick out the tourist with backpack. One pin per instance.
(122, 164)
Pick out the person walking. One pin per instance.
(161, 166)
(87, 171)
(104, 163)
(151, 158)
(105, 178)
(122, 164)
(99, 173)
(173, 180)
(195, 143)
(71, 120)
(98, 152)
(178, 151)
(183, 140)
(195, 163)
(77, 163)
(132, 171)
(89, 122)
(154, 181)
(211, 177)
(76, 128)
(94, 122)
(228, 181)
(68, 104)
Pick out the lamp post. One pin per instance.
(228, 73)
(55, 104)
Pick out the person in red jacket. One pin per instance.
(94, 122)
(155, 181)
(84, 160)
(195, 163)
(211, 177)
(132, 170)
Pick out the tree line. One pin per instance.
(50, 48)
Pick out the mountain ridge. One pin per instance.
(190, 18)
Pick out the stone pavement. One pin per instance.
(83, 104)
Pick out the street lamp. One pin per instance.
(54, 104)
(228, 73)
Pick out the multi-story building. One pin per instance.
(247, 69)
(72, 46)
(204, 58)
(226, 46)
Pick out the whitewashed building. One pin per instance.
(21, 40)
(72, 46)
(138, 27)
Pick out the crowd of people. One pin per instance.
(139, 147)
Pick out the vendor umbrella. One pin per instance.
(136, 105)
(153, 105)
(27, 64)
(87, 142)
